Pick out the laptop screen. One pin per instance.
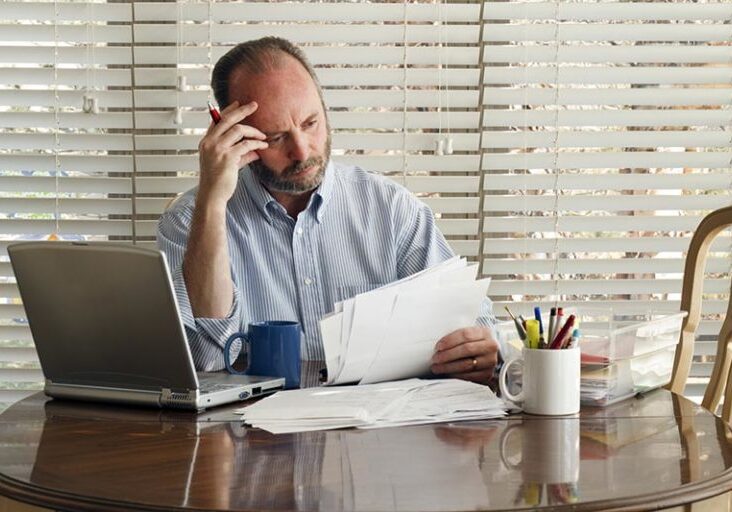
(103, 315)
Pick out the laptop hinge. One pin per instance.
(183, 399)
(102, 394)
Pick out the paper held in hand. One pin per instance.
(390, 333)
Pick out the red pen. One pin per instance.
(214, 113)
(559, 339)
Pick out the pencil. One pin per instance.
(519, 327)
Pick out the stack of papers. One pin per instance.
(390, 333)
(388, 404)
(607, 384)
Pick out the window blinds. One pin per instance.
(570, 147)
(605, 140)
(65, 148)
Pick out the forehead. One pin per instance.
(285, 94)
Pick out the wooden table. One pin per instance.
(653, 452)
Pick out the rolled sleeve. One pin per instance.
(206, 336)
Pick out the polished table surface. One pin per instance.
(650, 452)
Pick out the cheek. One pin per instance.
(270, 157)
(321, 137)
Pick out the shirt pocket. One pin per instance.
(351, 290)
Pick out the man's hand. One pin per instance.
(469, 354)
(227, 147)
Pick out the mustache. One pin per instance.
(301, 166)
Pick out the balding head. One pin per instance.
(251, 58)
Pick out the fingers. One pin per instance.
(229, 108)
(229, 144)
(247, 150)
(466, 365)
(466, 350)
(231, 116)
(469, 354)
(464, 335)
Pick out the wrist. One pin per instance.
(210, 206)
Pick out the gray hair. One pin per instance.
(256, 56)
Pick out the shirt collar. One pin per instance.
(262, 198)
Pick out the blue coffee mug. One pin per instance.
(273, 350)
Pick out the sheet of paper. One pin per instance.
(419, 320)
(371, 316)
(407, 402)
(433, 277)
(455, 261)
(330, 329)
(354, 334)
(459, 275)
(327, 408)
(348, 308)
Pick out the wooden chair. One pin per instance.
(691, 294)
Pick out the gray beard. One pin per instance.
(285, 183)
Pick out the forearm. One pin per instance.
(206, 265)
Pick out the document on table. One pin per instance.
(387, 404)
(389, 333)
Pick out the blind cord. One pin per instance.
(134, 128)
(57, 127)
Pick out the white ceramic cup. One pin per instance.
(550, 381)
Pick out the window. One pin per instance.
(569, 147)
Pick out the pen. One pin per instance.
(557, 343)
(519, 327)
(214, 113)
(552, 321)
(558, 323)
(537, 316)
(574, 340)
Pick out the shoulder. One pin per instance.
(353, 179)
(181, 206)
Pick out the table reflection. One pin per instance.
(645, 446)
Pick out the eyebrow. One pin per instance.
(307, 119)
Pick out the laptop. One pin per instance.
(106, 325)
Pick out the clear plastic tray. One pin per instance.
(607, 338)
(603, 385)
(622, 355)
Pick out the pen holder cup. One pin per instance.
(550, 381)
(550, 450)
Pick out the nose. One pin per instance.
(298, 148)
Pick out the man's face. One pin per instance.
(291, 114)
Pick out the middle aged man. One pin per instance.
(277, 231)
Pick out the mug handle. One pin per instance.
(505, 393)
(505, 436)
(227, 352)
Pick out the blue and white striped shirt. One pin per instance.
(358, 231)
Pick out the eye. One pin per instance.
(275, 140)
(311, 123)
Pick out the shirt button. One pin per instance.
(308, 280)
(299, 231)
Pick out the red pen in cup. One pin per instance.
(214, 113)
